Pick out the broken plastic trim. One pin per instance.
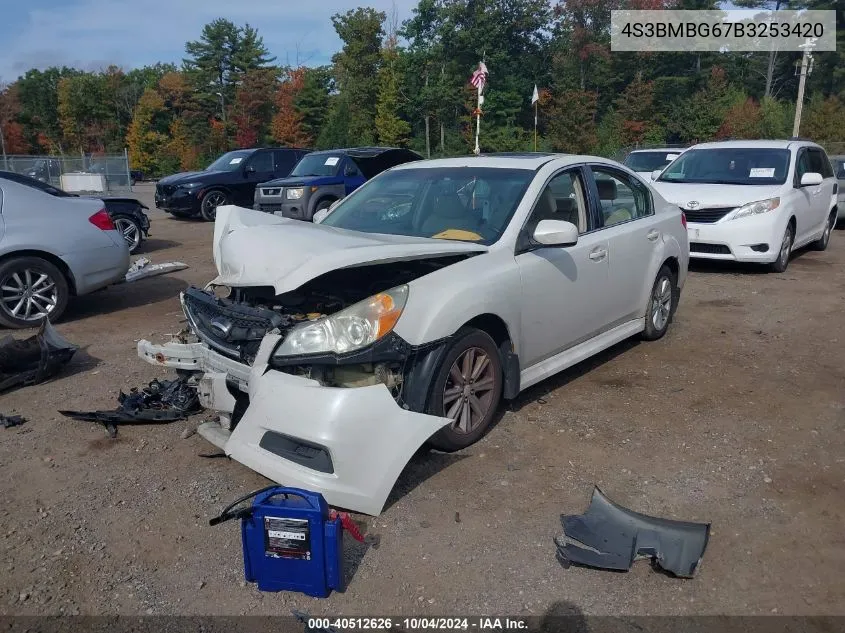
(34, 359)
(609, 536)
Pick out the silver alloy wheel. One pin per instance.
(785, 247)
(130, 231)
(468, 393)
(210, 202)
(661, 303)
(28, 294)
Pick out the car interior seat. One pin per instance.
(449, 212)
(608, 193)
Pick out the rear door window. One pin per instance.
(820, 163)
(285, 160)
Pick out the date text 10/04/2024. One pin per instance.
(419, 624)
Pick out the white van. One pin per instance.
(753, 201)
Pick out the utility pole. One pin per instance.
(806, 69)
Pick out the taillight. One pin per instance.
(684, 219)
(102, 220)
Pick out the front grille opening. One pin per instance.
(760, 248)
(706, 216)
(712, 249)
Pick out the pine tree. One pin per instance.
(391, 129)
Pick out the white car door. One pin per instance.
(634, 234)
(564, 288)
(805, 201)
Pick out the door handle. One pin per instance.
(652, 236)
(598, 254)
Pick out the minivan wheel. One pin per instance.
(782, 262)
(821, 243)
(31, 289)
(210, 201)
(467, 389)
(661, 305)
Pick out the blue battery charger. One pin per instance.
(291, 541)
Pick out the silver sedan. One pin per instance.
(51, 248)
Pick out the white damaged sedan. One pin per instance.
(333, 351)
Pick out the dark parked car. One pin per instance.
(127, 214)
(231, 179)
(322, 178)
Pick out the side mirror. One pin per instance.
(556, 233)
(811, 179)
(320, 216)
(249, 169)
(656, 174)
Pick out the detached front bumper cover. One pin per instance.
(609, 536)
(35, 359)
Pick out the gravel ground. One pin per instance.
(735, 417)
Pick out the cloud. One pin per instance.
(95, 33)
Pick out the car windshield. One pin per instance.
(472, 204)
(318, 165)
(230, 161)
(730, 166)
(649, 161)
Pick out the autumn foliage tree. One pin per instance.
(253, 108)
(287, 126)
(572, 125)
(635, 107)
(742, 121)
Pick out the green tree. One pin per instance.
(356, 66)
(148, 133)
(39, 99)
(390, 127)
(572, 126)
(312, 101)
(824, 120)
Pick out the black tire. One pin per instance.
(209, 203)
(821, 243)
(469, 345)
(13, 273)
(662, 303)
(782, 262)
(322, 204)
(131, 230)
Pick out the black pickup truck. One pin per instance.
(231, 179)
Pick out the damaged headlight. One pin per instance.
(354, 328)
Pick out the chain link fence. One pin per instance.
(75, 174)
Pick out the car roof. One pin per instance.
(759, 144)
(527, 161)
(660, 150)
(361, 152)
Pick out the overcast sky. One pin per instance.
(91, 34)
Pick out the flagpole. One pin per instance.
(477, 150)
(535, 125)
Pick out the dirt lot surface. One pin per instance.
(735, 418)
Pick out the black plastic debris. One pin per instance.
(33, 360)
(8, 421)
(609, 536)
(160, 402)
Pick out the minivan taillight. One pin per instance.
(102, 220)
(684, 219)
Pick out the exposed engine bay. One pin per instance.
(233, 321)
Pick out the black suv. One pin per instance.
(231, 179)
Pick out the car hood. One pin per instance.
(252, 248)
(190, 176)
(714, 196)
(304, 181)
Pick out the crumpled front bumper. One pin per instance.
(349, 444)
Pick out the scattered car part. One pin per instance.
(35, 359)
(609, 536)
(159, 402)
(143, 268)
(8, 421)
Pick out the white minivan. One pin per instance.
(753, 201)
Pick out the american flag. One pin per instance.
(479, 77)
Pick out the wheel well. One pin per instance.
(794, 223)
(56, 261)
(493, 325)
(672, 263)
(327, 198)
(219, 188)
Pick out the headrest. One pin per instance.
(564, 205)
(607, 189)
